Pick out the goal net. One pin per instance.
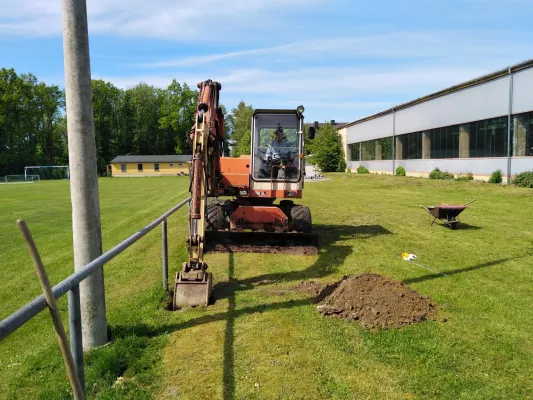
(46, 172)
(21, 178)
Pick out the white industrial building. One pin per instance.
(477, 126)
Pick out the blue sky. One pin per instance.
(341, 59)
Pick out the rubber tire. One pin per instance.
(284, 203)
(301, 219)
(216, 219)
(286, 206)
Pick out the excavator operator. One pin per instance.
(279, 155)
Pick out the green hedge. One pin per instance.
(496, 177)
(465, 178)
(438, 174)
(524, 179)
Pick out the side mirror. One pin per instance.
(311, 132)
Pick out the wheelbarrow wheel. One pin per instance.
(453, 222)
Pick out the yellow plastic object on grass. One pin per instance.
(408, 257)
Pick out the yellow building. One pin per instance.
(142, 166)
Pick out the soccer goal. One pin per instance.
(48, 171)
(21, 178)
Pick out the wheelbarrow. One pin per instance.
(447, 213)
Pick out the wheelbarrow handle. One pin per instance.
(427, 209)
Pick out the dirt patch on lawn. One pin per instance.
(373, 300)
(261, 242)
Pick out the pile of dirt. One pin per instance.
(373, 300)
(317, 291)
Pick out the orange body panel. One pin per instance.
(258, 217)
(236, 175)
(235, 171)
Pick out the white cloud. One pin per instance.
(169, 19)
(458, 46)
(197, 60)
(332, 93)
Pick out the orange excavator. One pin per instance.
(248, 219)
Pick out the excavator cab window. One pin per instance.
(275, 147)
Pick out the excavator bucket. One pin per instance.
(261, 242)
(188, 293)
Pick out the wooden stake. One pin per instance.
(54, 311)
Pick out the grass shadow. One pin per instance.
(228, 377)
(330, 258)
(461, 226)
(466, 227)
(456, 271)
(150, 331)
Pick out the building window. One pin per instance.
(486, 138)
(180, 165)
(171, 165)
(353, 149)
(522, 134)
(528, 123)
(368, 150)
(123, 167)
(156, 167)
(443, 142)
(140, 167)
(385, 146)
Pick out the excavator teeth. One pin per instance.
(261, 242)
(192, 293)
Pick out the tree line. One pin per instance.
(139, 120)
(32, 125)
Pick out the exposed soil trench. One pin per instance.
(373, 300)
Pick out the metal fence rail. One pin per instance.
(71, 285)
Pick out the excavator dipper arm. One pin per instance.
(193, 283)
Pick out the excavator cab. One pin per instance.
(277, 142)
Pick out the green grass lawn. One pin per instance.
(262, 339)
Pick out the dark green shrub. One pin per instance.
(438, 174)
(435, 174)
(496, 177)
(400, 171)
(465, 178)
(362, 170)
(524, 179)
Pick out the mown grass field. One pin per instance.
(262, 339)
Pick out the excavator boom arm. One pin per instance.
(193, 282)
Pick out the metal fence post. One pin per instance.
(165, 253)
(76, 341)
(393, 142)
(509, 122)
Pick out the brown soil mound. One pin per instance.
(375, 301)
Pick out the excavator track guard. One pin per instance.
(295, 243)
